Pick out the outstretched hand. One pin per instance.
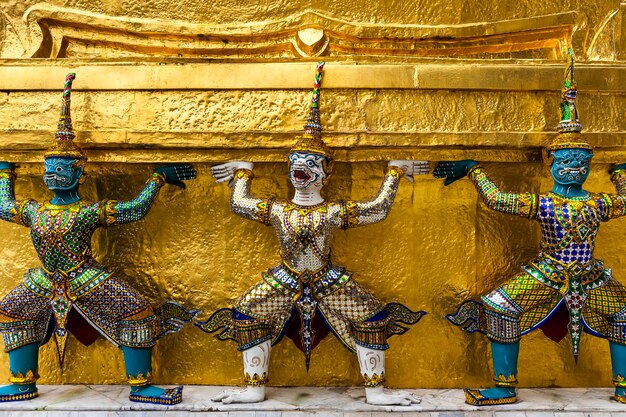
(226, 172)
(176, 174)
(453, 170)
(411, 168)
(6, 166)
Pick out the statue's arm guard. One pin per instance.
(360, 213)
(616, 203)
(19, 212)
(120, 212)
(243, 204)
(520, 204)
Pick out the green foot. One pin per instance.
(147, 391)
(18, 392)
(156, 395)
(491, 396)
(620, 395)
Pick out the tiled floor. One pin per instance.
(112, 401)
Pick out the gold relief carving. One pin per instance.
(311, 42)
(76, 33)
(174, 122)
(13, 35)
(29, 378)
(256, 379)
(608, 42)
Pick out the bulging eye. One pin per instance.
(59, 169)
(311, 164)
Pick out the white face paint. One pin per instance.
(306, 170)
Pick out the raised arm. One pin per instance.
(616, 203)
(360, 213)
(520, 204)
(120, 212)
(11, 210)
(239, 176)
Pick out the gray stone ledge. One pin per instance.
(112, 401)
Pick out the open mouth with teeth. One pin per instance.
(55, 180)
(301, 175)
(573, 171)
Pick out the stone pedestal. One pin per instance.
(112, 401)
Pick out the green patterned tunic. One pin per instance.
(69, 285)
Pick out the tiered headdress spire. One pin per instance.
(311, 141)
(570, 126)
(64, 145)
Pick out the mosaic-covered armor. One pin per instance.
(70, 292)
(70, 277)
(565, 269)
(564, 289)
(307, 274)
(307, 296)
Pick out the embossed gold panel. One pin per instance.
(424, 79)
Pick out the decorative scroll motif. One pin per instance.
(75, 33)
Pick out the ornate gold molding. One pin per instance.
(210, 112)
(27, 75)
(212, 147)
(69, 32)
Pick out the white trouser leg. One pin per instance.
(372, 365)
(256, 362)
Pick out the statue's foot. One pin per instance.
(250, 394)
(620, 395)
(156, 395)
(491, 396)
(379, 396)
(18, 392)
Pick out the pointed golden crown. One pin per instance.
(311, 141)
(64, 145)
(570, 126)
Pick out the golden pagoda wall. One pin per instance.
(480, 80)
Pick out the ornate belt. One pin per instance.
(324, 281)
(307, 276)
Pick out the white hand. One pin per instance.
(411, 168)
(225, 172)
